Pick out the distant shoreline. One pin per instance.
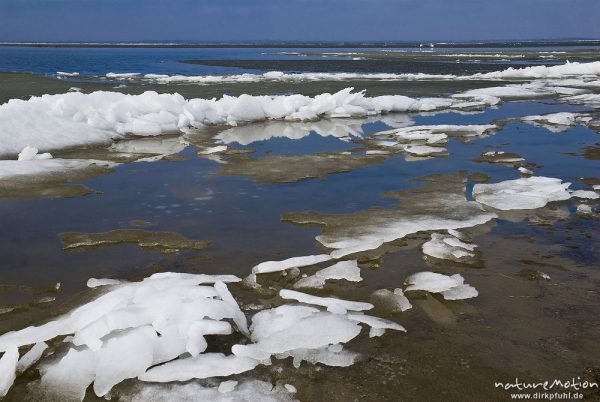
(284, 45)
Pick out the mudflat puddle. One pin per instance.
(222, 200)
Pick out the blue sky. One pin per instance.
(325, 20)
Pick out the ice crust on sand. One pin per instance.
(394, 301)
(347, 270)
(440, 205)
(524, 193)
(57, 121)
(247, 391)
(12, 169)
(450, 287)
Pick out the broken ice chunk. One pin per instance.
(334, 305)
(451, 287)
(238, 317)
(227, 386)
(347, 270)
(30, 153)
(205, 365)
(448, 247)
(8, 367)
(31, 357)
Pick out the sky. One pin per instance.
(297, 20)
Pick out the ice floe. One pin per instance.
(557, 122)
(347, 270)
(57, 121)
(449, 247)
(524, 193)
(525, 73)
(156, 331)
(450, 287)
(30, 153)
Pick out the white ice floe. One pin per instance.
(524, 193)
(448, 247)
(214, 150)
(294, 262)
(423, 150)
(8, 368)
(308, 333)
(332, 304)
(436, 134)
(450, 287)
(557, 122)
(155, 331)
(524, 170)
(347, 270)
(67, 74)
(584, 209)
(118, 333)
(206, 365)
(533, 72)
(58, 121)
(122, 75)
(31, 357)
(227, 386)
(591, 195)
